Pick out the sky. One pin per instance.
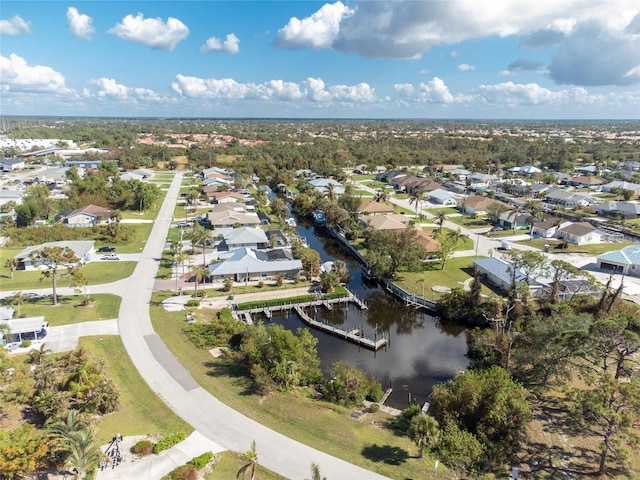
(504, 59)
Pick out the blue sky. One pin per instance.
(352, 59)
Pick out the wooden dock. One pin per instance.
(354, 336)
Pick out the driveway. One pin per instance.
(64, 338)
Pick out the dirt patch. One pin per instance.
(218, 351)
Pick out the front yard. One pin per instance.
(555, 246)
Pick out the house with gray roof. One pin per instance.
(244, 237)
(81, 248)
(12, 164)
(29, 328)
(634, 187)
(444, 197)
(625, 261)
(626, 210)
(247, 265)
(322, 185)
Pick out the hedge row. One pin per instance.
(276, 302)
(190, 470)
(340, 292)
(169, 442)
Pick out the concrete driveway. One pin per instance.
(64, 338)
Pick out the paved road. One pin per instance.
(174, 384)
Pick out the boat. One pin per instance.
(291, 222)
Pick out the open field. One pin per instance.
(69, 309)
(595, 249)
(141, 411)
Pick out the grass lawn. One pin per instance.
(318, 424)
(137, 243)
(230, 462)
(468, 222)
(362, 178)
(69, 308)
(95, 273)
(141, 411)
(435, 211)
(363, 193)
(596, 249)
(401, 196)
(506, 233)
(465, 243)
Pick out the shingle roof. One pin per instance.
(249, 260)
(79, 247)
(371, 206)
(578, 229)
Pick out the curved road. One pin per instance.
(170, 380)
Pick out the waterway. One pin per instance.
(421, 352)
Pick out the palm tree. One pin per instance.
(37, 354)
(16, 299)
(331, 192)
(84, 455)
(425, 432)
(416, 197)
(315, 473)
(12, 265)
(515, 212)
(534, 215)
(199, 235)
(252, 463)
(63, 430)
(200, 273)
(440, 218)
(381, 196)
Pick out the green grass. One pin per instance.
(435, 211)
(362, 178)
(596, 249)
(137, 243)
(141, 411)
(95, 273)
(229, 464)
(401, 196)
(69, 309)
(469, 222)
(319, 424)
(363, 193)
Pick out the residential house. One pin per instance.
(244, 237)
(478, 204)
(526, 170)
(29, 328)
(513, 221)
(625, 261)
(581, 233)
(229, 215)
(216, 171)
(217, 181)
(585, 181)
(588, 170)
(84, 164)
(87, 217)
(387, 176)
(626, 210)
(81, 248)
(567, 198)
(546, 228)
(426, 240)
(386, 222)
(634, 187)
(443, 197)
(246, 264)
(12, 164)
(323, 185)
(371, 207)
(224, 197)
(482, 180)
(460, 174)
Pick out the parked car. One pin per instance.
(111, 257)
(184, 224)
(497, 228)
(107, 249)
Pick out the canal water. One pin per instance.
(420, 352)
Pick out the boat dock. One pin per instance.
(354, 336)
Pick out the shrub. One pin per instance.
(201, 461)
(25, 343)
(193, 303)
(183, 472)
(374, 407)
(168, 442)
(143, 447)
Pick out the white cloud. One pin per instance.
(522, 65)
(80, 24)
(230, 45)
(465, 67)
(454, 54)
(433, 91)
(319, 30)
(313, 90)
(514, 94)
(424, 71)
(16, 25)
(110, 89)
(17, 76)
(407, 29)
(153, 32)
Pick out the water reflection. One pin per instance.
(420, 353)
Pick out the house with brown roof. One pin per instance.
(583, 181)
(425, 238)
(224, 197)
(371, 207)
(386, 222)
(580, 233)
(546, 228)
(87, 217)
(229, 215)
(478, 204)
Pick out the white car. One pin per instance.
(110, 257)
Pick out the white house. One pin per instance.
(625, 260)
(583, 233)
(444, 197)
(81, 248)
(323, 185)
(87, 217)
(11, 164)
(246, 264)
(244, 237)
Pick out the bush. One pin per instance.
(193, 303)
(183, 472)
(143, 447)
(168, 442)
(25, 343)
(201, 461)
(374, 407)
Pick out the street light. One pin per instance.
(477, 242)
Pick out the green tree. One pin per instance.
(22, 451)
(58, 262)
(416, 197)
(12, 264)
(381, 195)
(439, 219)
(251, 467)
(349, 385)
(424, 430)
(83, 453)
(279, 209)
(200, 273)
(199, 236)
(315, 473)
(560, 271)
(487, 404)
